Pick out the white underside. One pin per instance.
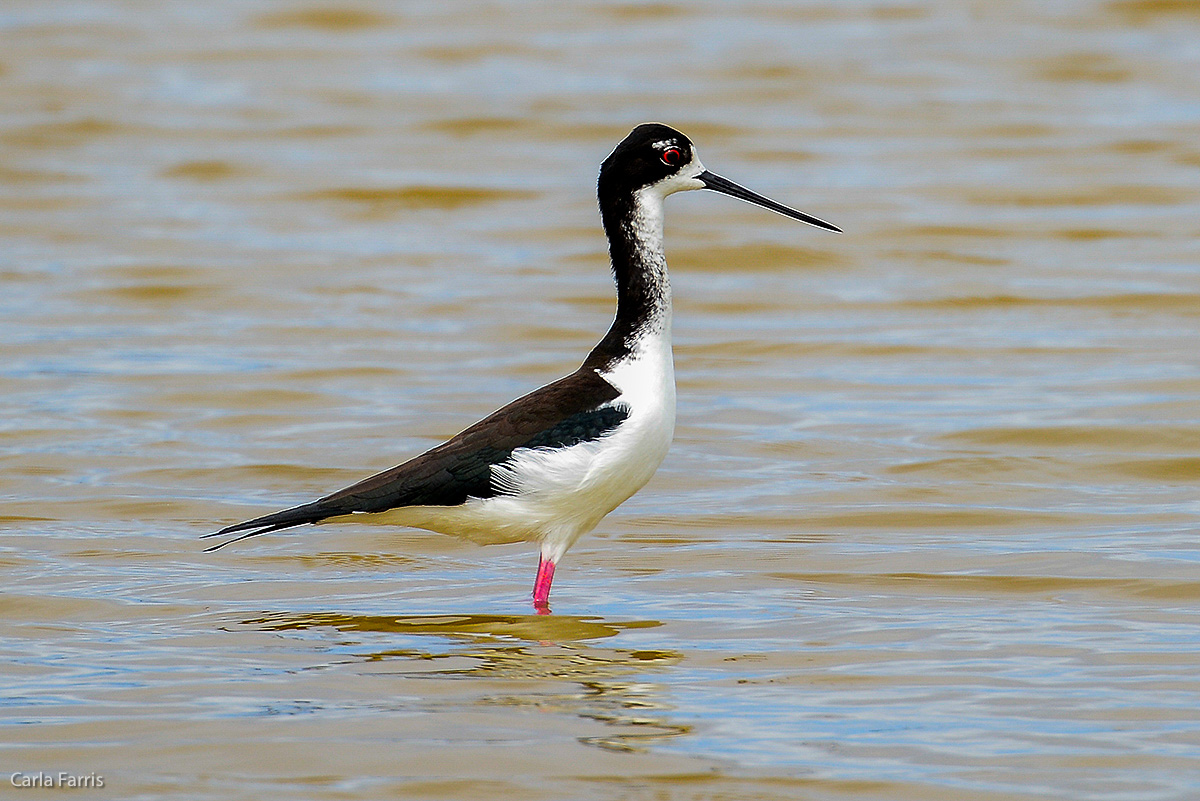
(559, 494)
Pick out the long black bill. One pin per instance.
(727, 187)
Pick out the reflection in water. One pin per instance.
(553, 628)
(552, 648)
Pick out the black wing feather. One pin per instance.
(569, 411)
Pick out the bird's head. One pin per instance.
(661, 160)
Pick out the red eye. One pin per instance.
(671, 157)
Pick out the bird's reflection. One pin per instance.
(607, 684)
(536, 627)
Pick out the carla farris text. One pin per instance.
(62, 779)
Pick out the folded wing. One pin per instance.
(571, 410)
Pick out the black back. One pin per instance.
(566, 412)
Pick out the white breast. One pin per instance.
(556, 495)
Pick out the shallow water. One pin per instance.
(929, 526)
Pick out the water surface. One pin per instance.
(929, 526)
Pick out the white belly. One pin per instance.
(555, 496)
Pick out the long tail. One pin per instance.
(296, 516)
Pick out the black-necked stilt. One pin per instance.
(547, 467)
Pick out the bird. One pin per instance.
(549, 466)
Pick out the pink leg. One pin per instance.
(541, 587)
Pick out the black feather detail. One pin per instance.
(580, 427)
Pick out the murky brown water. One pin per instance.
(929, 529)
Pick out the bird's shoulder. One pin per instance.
(542, 410)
